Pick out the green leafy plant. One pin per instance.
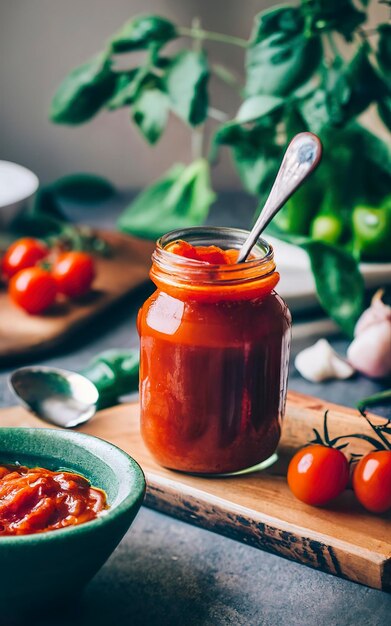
(296, 79)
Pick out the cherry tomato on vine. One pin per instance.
(372, 481)
(21, 254)
(317, 474)
(33, 289)
(74, 273)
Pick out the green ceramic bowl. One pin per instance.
(46, 569)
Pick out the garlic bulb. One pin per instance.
(320, 362)
(370, 351)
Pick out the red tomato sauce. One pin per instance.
(36, 500)
(214, 362)
(207, 254)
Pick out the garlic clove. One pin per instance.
(376, 313)
(370, 351)
(320, 362)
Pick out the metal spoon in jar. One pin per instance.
(302, 156)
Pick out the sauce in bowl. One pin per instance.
(35, 500)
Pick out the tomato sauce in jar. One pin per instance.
(34, 500)
(215, 341)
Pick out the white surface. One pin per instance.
(17, 185)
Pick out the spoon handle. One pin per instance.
(301, 157)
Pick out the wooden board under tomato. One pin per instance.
(341, 538)
(117, 275)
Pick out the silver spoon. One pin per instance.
(302, 156)
(55, 395)
(67, 399)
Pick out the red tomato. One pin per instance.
(33, 289)
(23, 253)
(74, 273)
(372, 481)
(317, 474)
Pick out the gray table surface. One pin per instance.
(168, 572)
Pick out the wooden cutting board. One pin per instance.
(258, 509)
(117, 275)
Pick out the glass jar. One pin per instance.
(215, 343)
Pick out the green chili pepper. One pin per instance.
(372, 231)
(114, 373)
(328, 228)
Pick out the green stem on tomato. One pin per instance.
(378, 432)
(199, 33)
(377, 398)
(374, 442)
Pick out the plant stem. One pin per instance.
(377, 398)
(198, 33)
(227, 77)
(216, 114)
(333, 45)
(197, 134)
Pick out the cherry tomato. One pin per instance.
(33, 289)
(74, 273)
(372, 481)
(23, 253)
(317, 474)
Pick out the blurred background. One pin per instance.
(42, 40)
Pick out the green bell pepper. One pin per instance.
(372, 231)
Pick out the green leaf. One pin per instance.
(83, 92)
(363, 82)
(186, 82)
(383, 54)
(142, 32)
(339, 284)
(347, 90)
(180, 199)
(126, 86)
(384, 109)
(256, 155)
(44, 218)
(258, 106)
(83, 188)
(150, 113)
(280, 57)
(328, 15)
(314, 110)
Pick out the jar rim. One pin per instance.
(183, 269)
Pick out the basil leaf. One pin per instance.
(258, 106)
(383, 54)
(327, 15)
(256, 155)
(363, 82)
(186, 83)
(339, 284)
(280, 57)
(83, 92)
(126, 86)
(348, 89)
(141, 32)
(179, 199)
(150, 113)
(84, 188)
(384, 109)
